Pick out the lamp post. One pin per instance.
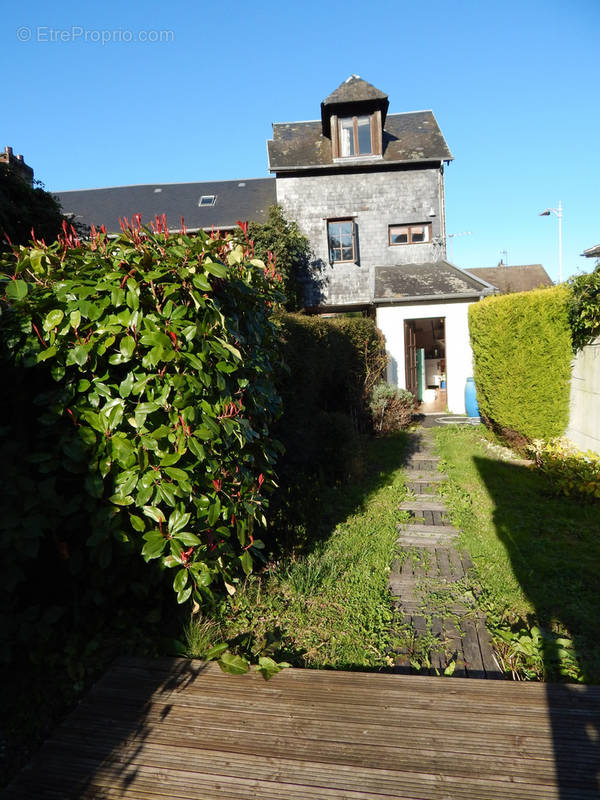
(558, 214)
(451, 237)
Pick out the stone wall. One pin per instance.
(584, 415)
(375, 200)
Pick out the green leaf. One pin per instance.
(188, 539)
(215, 268)
(246, 560)
(80, 353)
(154, 513)
(180, 581)
(75, 319)
(17, 290)
(126, 385)
(137, 523)
(127, 346)
(53, 319)
(120, 500)
(155, 545)
(216, 651)
(44, 355)
(178, 520)
(234, 665)
(184, 595)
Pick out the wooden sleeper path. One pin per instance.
(431, 582)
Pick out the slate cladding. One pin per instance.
(234, 200)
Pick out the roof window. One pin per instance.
(207, 200)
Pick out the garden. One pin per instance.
(188, 468)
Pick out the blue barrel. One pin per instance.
(471, 398)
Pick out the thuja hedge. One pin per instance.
(137, 399)
(522, 353)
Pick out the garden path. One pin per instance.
(439, 626)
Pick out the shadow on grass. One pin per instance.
(554, 548)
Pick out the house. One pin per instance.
(521, 278)
(367, 187)
(592, 252)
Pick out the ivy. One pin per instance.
(584, 308)
(148, 359)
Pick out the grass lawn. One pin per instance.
(537, 557)
(328, 605)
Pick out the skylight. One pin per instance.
(207, 200)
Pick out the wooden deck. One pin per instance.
(172, 728)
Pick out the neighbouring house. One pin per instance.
(367, 187)
(519, 278)
(592, 252)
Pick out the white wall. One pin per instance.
(459, 356)
(584, 413)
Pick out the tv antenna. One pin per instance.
(451, 237)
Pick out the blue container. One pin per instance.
(471, 398)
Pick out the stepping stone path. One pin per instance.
(438, 626)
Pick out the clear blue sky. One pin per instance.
(513, 83)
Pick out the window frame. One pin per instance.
(409, 227)
(330, 248)
(355, 135)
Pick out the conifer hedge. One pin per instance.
(522, 351)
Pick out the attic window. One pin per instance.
(355, 136)
(207, 200)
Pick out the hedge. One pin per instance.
(522, 352)
(329, 366)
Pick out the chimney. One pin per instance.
(17, 165)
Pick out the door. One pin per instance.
(410, 355)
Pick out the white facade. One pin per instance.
(584, 416)
(459, 356)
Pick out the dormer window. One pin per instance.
(355, 136)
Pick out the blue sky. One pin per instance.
(513, 84)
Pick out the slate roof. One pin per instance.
(433, 280)
(521, 278)
(235, 200)
(410, 137)
(354, 90)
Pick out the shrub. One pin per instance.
(522, 356)
(584, 308)
(570, 471)
(139, 380)
(327, 368)
(392, 408)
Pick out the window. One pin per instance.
(207, 200)
(342, 241)
(355, 136)
(410, 234)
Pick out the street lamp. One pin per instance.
(558, 214)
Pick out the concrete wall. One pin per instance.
(375, 200)
(584, 416)
(459, 356)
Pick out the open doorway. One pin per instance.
(425, 362)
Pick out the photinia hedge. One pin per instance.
(153, 354)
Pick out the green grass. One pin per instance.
(329, 605)
(537, 558)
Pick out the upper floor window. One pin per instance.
(342, 240)
(410, 234)
(355, 136)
